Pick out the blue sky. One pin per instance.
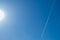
(26, 19)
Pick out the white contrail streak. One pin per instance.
(45, 26)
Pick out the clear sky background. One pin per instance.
(25, 20)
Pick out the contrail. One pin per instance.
(45, 26)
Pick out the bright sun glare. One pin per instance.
(2, 15)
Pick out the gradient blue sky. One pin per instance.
(25, 20)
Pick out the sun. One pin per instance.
(2, 15)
